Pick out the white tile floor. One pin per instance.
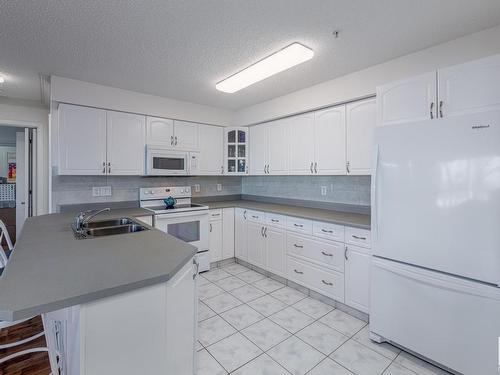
(253, 325)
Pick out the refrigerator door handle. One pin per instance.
(374, 192)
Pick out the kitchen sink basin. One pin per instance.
(109, 223)
(109, 231)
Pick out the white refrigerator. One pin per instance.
(436, 240)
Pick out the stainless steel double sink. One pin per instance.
(110, 227)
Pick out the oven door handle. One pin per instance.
(202, 214)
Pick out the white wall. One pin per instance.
(363, 83)
(90, 94)
(26, 114)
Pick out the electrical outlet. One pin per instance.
(323, 190)
(96, 191)
(105, 191)
(219, 187)
(197, 188)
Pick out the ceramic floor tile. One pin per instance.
(322, 337)
(312, 307)
(360, 359)
(417, 365)
(288, 295)
(395, 369)
(207, 365)
(250, 276)
(387, 350)
(291, 319)
(234, 351)
(329, 367)
(198, 346)
(296, 356)
(204, 312)
(201, 280)
(222, 302)
(230, 283)
(267, 305)
(268, 285)
(213, 330)
(209, 290)
(342, 322)
(266, 334)
(247, 293)
(216, 274)
(262, 365)
(235, 269)
(242, 316)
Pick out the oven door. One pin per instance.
(190, 227)
(163, 162)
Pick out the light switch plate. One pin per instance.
(96, 191)
(323, 190)
(197, 188)
(105, 191)
(219, 187)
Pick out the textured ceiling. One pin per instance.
(181, 48)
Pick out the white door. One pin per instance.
(82, 140)
(301, 149)
(278, 147)
(256, 244)
(471, 87)
(210, 161)
(186, 135)
(357, 278)
(240, 234)
(215, 240)
(360, 123)
(125, 143)
(275, 250)
(228, 233)
(258, 149)
(160, 132)
(412, 99)
(22, 177)
(329, 141)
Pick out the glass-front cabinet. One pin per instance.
(235, 151)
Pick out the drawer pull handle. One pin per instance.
(327, 283)
(359, 238)
(215, 214)
(326, 254)
(255, 217)
(299, 272)
(326, 231)
(298, 225)
(275, 220)
(298, 246)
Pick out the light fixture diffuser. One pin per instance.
(2, 79)
(284, 59)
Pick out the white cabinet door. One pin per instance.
(228, 233)
(409, 100)
(275, 250)
(256, 244)
(186, 135)
(301, 150)
(469, 88)
(258, 149)
(160, 132)
(240, 234)
(278, 147)
(360, 124)
(357, 278)
(82, 140)
(329, 141)
(215, 240)
(210, 160)
(125, 143)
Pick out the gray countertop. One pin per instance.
(50, 269)
(330, 216)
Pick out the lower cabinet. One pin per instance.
(275, 239)
(221, 234)
(357, 277)
(256, 244)
(215, 240)
(228, 233)
(240, 234)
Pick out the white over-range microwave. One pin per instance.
(164, 162)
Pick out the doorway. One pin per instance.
(17, 158)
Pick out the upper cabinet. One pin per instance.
(98, 142)
(301, 151)
(360, 125)
(258, 149)
(329, 141)
(210, 160)
(236, 151)
(269, 148)
(172, 134)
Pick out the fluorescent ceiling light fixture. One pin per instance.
(292, 55)
(2, 79)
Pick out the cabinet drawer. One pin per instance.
(215, 214)
(329, 231)
(358, 237)
(327, 282)
(256, 216)
(299, 225)
(276, 220)
(328, 254)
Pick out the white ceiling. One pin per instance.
(181, 48)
